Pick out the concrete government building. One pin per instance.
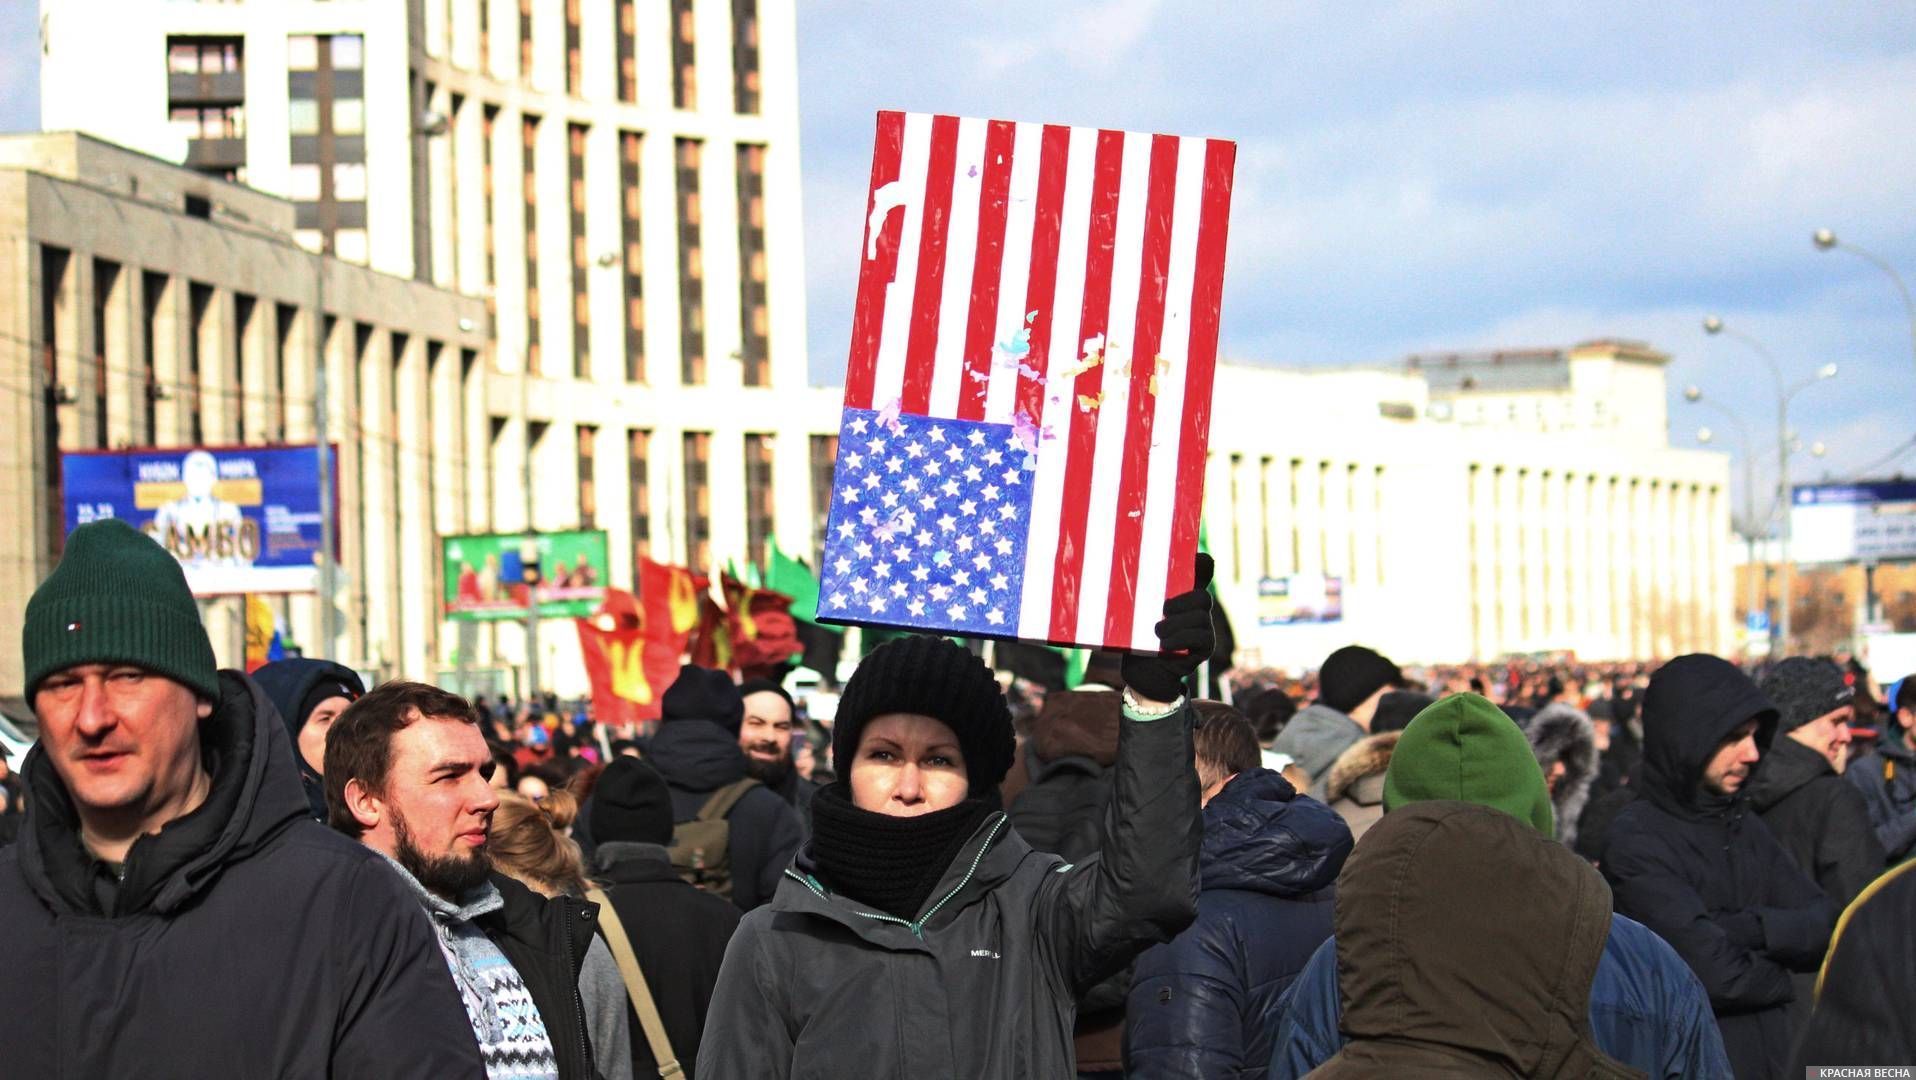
(561, 240)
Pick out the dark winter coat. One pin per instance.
(984, 982)
(286, 684)
(1647, 1010)
(697, 757)
(1207, 1003)
(1068, 758)
(1706, 874)
(1887, 778)
(797, 793)
(1355, 785)
(546, 941)
(1470, 944)
(1862, 1010)
(678, 933)
(1562, 733)
(246, 940)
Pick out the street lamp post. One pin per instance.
(1825, 240)
(1751, 528)
(1714, 325)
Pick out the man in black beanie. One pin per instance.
(771, 716)
(1349, 686)
(170, 905)
(678, 933)
(697, 752)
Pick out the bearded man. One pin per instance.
(407, 773)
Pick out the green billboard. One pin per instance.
(499, 575)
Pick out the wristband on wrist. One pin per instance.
(1136, 710)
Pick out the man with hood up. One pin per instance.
(1565, 743)
(1690, 860)
(170, 909)
(1448, 978)
(308, 695)
(1349, 686)
(697, 752)
(1206, 1004)
(1645, 1007)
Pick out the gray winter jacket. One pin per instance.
(983, 983)
(1314, 738)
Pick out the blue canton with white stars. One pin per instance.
(927, 526)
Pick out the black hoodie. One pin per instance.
(287, 684)
(1706, 874)
(245, 939)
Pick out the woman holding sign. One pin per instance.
(917, 934)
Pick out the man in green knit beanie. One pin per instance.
(1645, 1007)
(169, 904)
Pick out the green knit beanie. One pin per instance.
(1466, 749)
(117, 597)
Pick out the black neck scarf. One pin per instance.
(890, 863)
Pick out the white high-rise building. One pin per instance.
(618, 179)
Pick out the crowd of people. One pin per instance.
(1535, 868)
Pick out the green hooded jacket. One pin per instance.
(1465, 749)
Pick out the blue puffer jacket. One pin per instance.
(1206, 1004)
(1647, 1010)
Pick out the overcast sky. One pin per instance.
(1425, 176)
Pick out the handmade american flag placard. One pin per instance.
(1028, 395)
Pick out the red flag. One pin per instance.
(630, 668)
(763, 634)
(1028, 392)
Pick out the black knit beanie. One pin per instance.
(766, 686)
(1804, 688)
(704, 694)
(1352, 674)
(117, 597)
(933, 677)
(631, 804)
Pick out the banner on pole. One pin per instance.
(240, 519)
(1028, 394)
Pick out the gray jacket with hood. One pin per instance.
(983, 983)
(1314, 738)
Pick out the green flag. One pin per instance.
(787, 575)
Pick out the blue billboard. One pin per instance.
(1869, 521)
(241, 519)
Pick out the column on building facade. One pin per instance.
(1310, 518)
(1540, 597)
(417, 477)
(302, 609)
(1510, 555)
(1366, 531)
(1247, 518)
(1615, 495)
(1482, 545)
(1580, 570)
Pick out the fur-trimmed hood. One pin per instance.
(1369, 756)
(1564, 733)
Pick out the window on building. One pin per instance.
(698, 499)
(691, 266)
(286, 317)
(824, 463)
(631, 214)
(685, 73)
(581, 258)
(488, 126)
(243, 308)
(588, 485)
(745, 55)
(455, 113)
(574, 56)
(326, 116)
(625, 41)
(755, 330)
(106, 339)
(206, 102)
(199, 305)
(152, 305)
(525, 41)
(758, 497)
(528, 158)
(639, 493)
(54, 296)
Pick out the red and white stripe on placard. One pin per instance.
(1065, 280)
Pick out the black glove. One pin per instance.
(1184, 635)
